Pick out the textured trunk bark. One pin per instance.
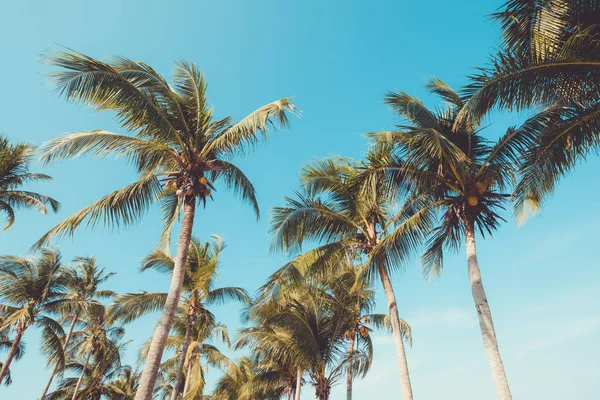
(350, 366)
(485, 317)
(148, 378)
(11, 353)
(55, 369)
(186, 345)
(405, 385)
(298, 384)
(188, 379)
(87, 361)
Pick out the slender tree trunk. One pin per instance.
(148, 378)
(350, 367)
(188, 379)
(87, 361)
(405, 385)
(11, 353)
(186, 345)
(298, 384)
(55, 369)
(485, 317)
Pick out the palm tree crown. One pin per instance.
(14, 173)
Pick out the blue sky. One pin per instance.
(337, 58)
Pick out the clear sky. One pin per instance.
(337, 58)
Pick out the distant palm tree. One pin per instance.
(32, 290)
(85, 294)
(14, 173)
(125, 384)
(550, 62)
(250, 379)
(464, 179)
(199, 291)
(95, 355)
(347, 289)
(347, 207)
(5, 345)
(177, 146)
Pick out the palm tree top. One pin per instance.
(14, 173)
(179, 149)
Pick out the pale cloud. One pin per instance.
(561, 331)
(455, 317)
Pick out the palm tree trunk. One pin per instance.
(87, 361)
(299, 374)
(186, 345)
(485, 317)
(405, 385)
(11, 353)
(350, 367)
(150, 372)
(55, 369)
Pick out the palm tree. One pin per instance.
(96, 356)
(347, 208)
(253, 379)
(31, 291)
(5, 345)
(309, 332)
(126, 384)
(464, 178)
(199, 292)
(177, 146)
(14, 173)
(84, 292)
(550, 62)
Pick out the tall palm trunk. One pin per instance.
(405, 385)
(55, 369)
(11, 353)
(299, 373)
(186, 345)
(485, 317)
(350, 367)
(150, 372)
(87, 361)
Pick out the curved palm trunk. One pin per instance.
(55, 369)
(150, 372)
(186, 345)
(350, 367)
(298, 384)
(87, 361)
(12, 353)
(405, 385)
(485, 317)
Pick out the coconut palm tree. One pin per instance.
(15, 160)
(177, 146)
(32, 291)
(465, 179)
(5, 345)
(348, 209)
(550, 62)
(96, 358)
(348, 288)
(199, 291)
(252, 379)
(85, 292)
(127, 383)
(309, 333)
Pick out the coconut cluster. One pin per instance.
(188, 185)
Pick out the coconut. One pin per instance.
(472, 200)
(203, 181)
(481, 186)
(207, 193)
